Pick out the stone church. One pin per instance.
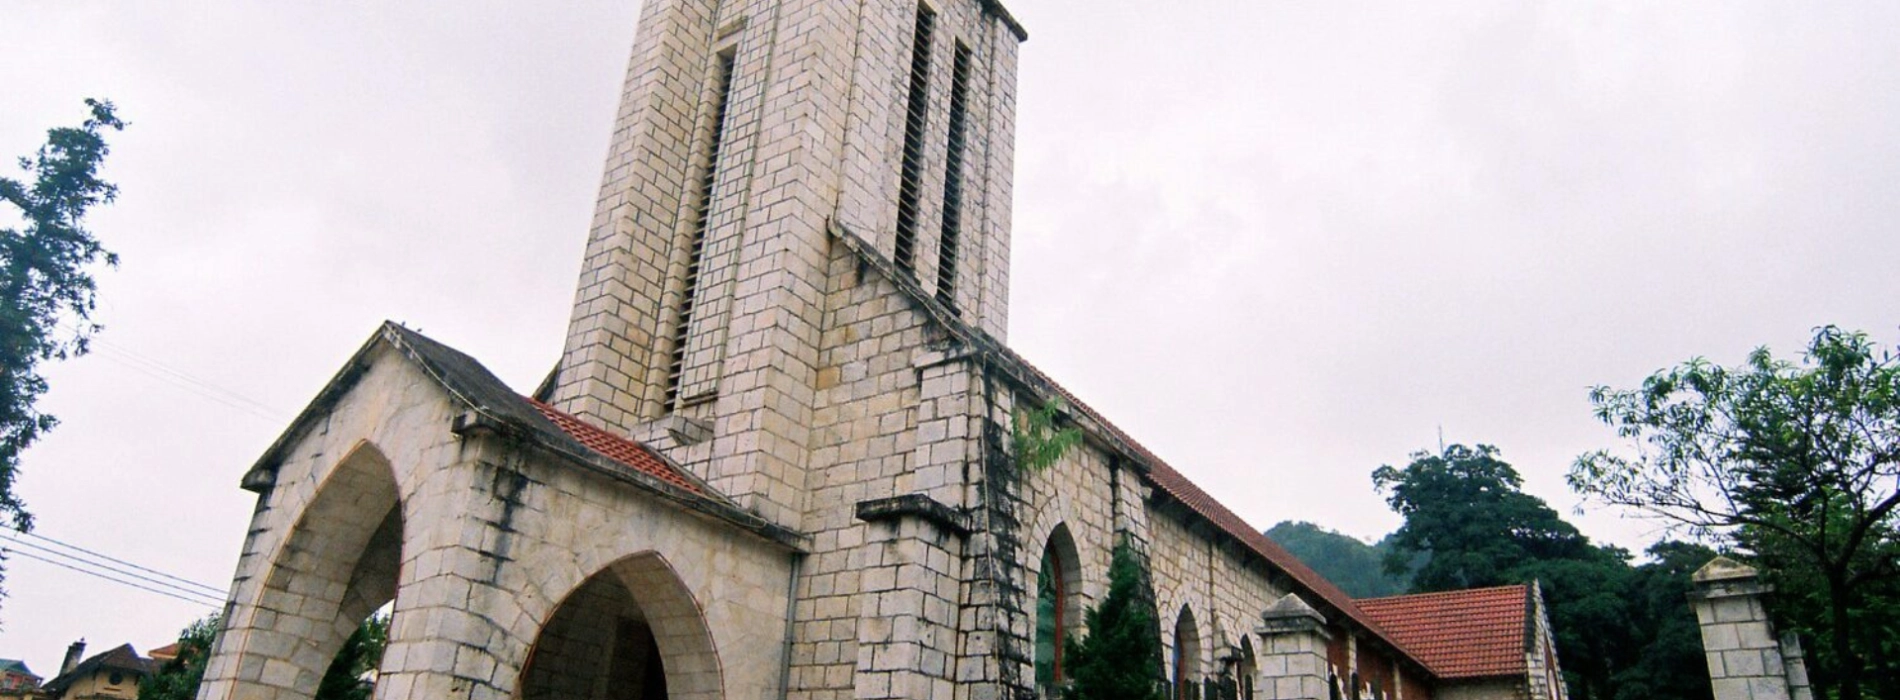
(774, 461)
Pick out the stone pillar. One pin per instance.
(909, 583)
(1293, 651)
(1745, 660)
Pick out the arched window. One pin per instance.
(1248, 668)
(1187, 656)
(1058, 607)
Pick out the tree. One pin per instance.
(1120, 659)
(1464, 511)
(1356, 567)
(1797, 464)
(350, 676)
(1666, 627)
(45, 277)
(179, 677)
(1469, 522)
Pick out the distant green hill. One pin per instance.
(1356, 567)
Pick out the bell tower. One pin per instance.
(746, 130)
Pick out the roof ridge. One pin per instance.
(1461, 591)
(655, 464)
(1468, 633)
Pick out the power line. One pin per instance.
(30, 555)
(219, 592)
(108, 568)
(203, 389)
(106, 571)
(180, 379)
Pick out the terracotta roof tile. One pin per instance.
(1473, 633)
(628, 453)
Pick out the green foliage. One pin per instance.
(1619, 630)
(1670, 655)
(349, 675)
(1798, 465)
(178, 678)
(1587, 600)
(44, 278)
(1038, 441)
(1463, 510)
(1356, 567)
(1120, 659)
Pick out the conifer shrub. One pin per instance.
(1120, 659)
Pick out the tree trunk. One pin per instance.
(1849, 662)
(1885, 680)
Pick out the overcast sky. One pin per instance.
(1280, 244)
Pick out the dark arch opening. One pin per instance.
(1248, 668)
(1058, 607)
(631, 631)
(1187, 656)
(340, 563)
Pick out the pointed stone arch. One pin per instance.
(1059, 603)
(338, 563)
(1247, 668)
(630, 631)
(1186, 656)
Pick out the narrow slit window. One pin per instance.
(910, 183)
(702, 215)
(947, 252)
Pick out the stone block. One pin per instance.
(1768, 689)
(1721, 637)
(1746, 662)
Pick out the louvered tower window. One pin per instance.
(696, 247)
(910, 184)
(947, 241)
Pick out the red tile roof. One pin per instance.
(164, 653)
(1179, 487)
(628, 453)
(1475, 633)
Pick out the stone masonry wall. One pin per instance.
(1746, 661)
(609, 368)
(863, 438)
(813, 132)
(493, 539)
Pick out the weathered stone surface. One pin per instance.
(1746, 661)
(864, 531)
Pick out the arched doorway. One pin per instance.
(629, 632)
(1058, 607)
(1187, 656)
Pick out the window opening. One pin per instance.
(1051, 628)
(1249, 668)
(702, 215)
(910, 181)
(1187, 657)
(953, 179)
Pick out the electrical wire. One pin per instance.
(182, 380)
(203, 389)
(214, 590)
(109, 569)
(200, 601)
